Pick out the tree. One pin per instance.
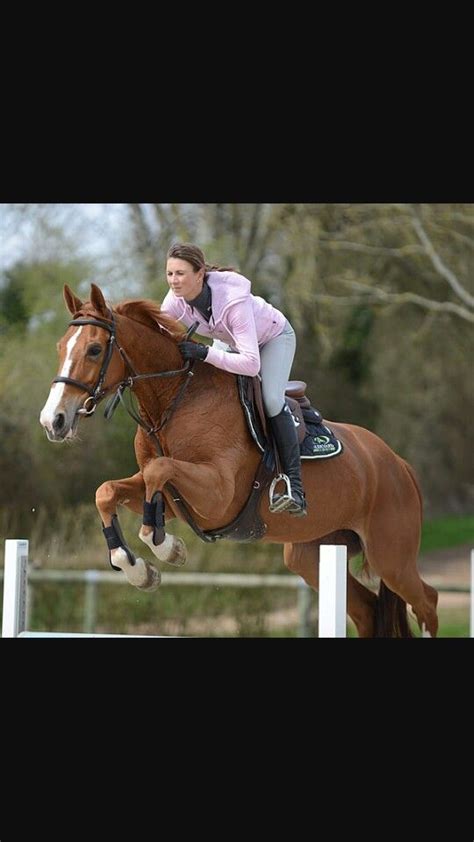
(380, 295)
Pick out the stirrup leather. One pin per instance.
(285, 500)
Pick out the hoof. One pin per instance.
(141, 575)
(178, 553)
(172, 549)
(150, 577)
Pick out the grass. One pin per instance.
(445, 532)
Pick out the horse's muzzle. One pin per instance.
(61, 427)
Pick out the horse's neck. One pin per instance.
(209, 402)
(208, 420)
(150, 352)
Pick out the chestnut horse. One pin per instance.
(367, 498)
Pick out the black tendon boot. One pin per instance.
(284, 431)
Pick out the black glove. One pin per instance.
(193, 350)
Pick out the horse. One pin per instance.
(193, 444)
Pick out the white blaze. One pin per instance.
(50, 409)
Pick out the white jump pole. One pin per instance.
(15, 581)
(332, 590)
(14, 587)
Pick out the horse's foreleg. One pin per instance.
(166, 547)
(193, 481)
(128, 492)
(205, 488)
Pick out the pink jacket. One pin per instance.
(244, 321)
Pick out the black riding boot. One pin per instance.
(286, 439)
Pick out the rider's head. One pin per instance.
(195, 256)
(187, 251)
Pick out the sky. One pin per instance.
(93, 230)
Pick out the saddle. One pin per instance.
(316, 442)
(315, 439)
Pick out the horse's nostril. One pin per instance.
(58, 422)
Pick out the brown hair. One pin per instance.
(194, 256)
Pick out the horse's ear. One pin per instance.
(73, 303)
(98, 300)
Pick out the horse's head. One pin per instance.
(88, 366)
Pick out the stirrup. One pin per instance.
(298, 511)
(285, 500)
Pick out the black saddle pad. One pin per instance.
(319, 442)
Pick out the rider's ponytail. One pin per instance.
(220, 268)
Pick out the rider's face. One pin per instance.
(183, 279)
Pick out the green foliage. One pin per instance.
(13, 310)
(46, 477)
(353, 357)
(32, 292)
(454, 627)
(444, 532)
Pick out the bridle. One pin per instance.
(97, 392)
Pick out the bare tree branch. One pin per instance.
(141, 228)
(253, 232)
(443, 270)
(180, 223)
(461, 217)
(145, 242)
(344, 245)
(162, 216)
(456, 235)
(369, 294)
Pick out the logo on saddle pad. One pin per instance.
(323, 444)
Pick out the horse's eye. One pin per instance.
(94, 350)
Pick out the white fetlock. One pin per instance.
(172, 549)
(142, 574)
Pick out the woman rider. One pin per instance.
(238, 321)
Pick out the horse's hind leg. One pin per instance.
(395, 562)
(303, 559)
(422, 597)
(431, 596)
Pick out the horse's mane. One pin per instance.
(149, 313)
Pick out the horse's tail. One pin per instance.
(390, 610)
(390, 614)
